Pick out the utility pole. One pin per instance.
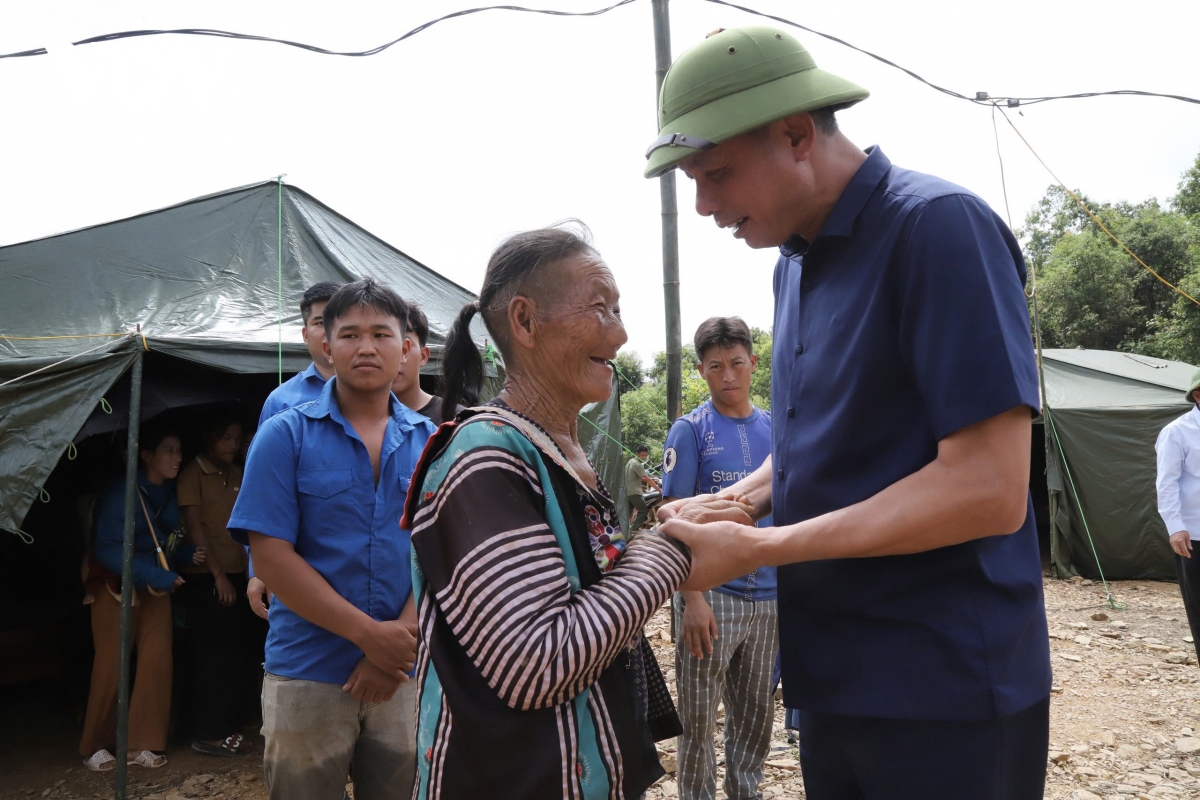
(670, 226)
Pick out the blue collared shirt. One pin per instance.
(902, 322)
(303, 387)
(309, 481)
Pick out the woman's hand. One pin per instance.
(708, 508)
(721, 550)
(200, 556)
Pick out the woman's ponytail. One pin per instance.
(462, 365)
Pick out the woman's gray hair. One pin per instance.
(519, 258)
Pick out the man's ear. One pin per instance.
(753, 361)
(424, 356)
(522, 321)
(325, 348)
(801, 133)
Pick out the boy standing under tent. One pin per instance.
(320, 506)
(300, 388)
(727, 638)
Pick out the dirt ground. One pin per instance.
(1125, 717)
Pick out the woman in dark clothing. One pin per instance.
(532, 667)
(150, 703)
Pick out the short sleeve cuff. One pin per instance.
(240, 528)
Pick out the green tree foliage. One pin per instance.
(630, 372)
(644, 410)
(1093, 294)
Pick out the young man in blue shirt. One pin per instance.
(320, 506)
(727, 638)
(300, 388)
(912, 623)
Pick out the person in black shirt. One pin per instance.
(407, 386)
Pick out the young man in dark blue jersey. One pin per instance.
(727, 638)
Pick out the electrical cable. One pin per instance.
(980, 98)
(108, 37)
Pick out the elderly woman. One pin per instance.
(532, 668)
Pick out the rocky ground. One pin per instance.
(1125, 716)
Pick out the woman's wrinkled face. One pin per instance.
(579, 328)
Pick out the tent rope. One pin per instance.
(1110, 601)
(42, 338)
(635, 387)
(615, 441)
(58, 363)
(27, 538)
(104, 406)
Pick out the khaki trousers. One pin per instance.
(150, 701)
(316, 733)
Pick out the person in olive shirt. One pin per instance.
(222, 628)
(636, 481)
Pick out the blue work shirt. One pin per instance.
(707, 452)
(303, 387)
(902, 322)
(309, 481)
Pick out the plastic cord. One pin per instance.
(1112, 603)
(56, 363)
(1094, 218)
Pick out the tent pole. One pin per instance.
(121, 771)
(1037, 341)
(670, 227)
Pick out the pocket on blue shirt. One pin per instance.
(323, 482)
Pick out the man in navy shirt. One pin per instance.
(727, 638)
(320, 506)
(300, 388)
(912, 623)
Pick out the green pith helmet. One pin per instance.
(733, 82)
(1195, 385)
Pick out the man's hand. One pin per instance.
(708, 508)
(391, 645)
(721, 551)
(369, 684)
(1181, 543)
(698, 628)
(226, 594)
(259, 596)
(200, 556)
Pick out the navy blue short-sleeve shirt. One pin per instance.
(902, 322)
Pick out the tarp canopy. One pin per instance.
(1107, 409)
(205, 280)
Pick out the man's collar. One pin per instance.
(326, 405)
(849, 205)
(311, 372)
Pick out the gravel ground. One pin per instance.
(1125, 716)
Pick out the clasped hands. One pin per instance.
(390, 650)
(719, 530)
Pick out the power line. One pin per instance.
(109, 37)
(979, 98)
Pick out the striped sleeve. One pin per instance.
(496, 571)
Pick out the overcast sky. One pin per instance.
(501, 121)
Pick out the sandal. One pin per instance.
(232, 745)
(148, 758)
(101, 761)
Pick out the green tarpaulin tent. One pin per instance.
(1107, 409)
(204, 281)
